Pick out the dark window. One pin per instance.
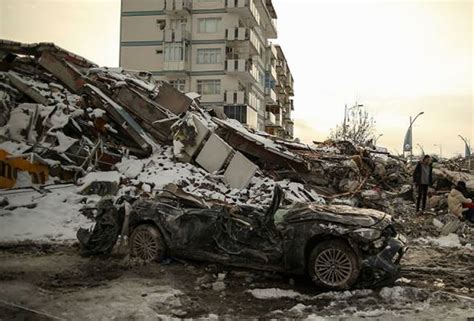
(236, 112)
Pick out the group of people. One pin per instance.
(458, 202)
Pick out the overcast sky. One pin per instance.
(396, 58)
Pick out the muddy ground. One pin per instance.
(48, 282)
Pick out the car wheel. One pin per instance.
(333, 265)
(147, 243)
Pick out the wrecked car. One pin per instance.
(337, 246)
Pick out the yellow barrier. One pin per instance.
(9, 168)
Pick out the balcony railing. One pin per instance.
(178, 6)
(244, 34)
(180, 65)
(273, 51)
(176, 35)
(273, 72)
(242, 67)
(270, 96)
(277, 120)
(246, 8)
(235, 98)
(270, 119)
(241, 97)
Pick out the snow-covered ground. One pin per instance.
(51, 215)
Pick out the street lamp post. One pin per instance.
(468, 152)
(421, 148)
(345, 117)
(408, 143)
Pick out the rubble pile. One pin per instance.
(120, 132)
(64, 118)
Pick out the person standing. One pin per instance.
(423, 178)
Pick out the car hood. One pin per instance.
(342, 214)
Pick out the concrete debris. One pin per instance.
(63, 118)
(84, 118)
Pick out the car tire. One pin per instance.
(147, 243)
(333, 265)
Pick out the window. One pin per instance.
(159, 51)
(209, 87)
(174, 52)
(178, 84)
(209, 56)
(208, 25)
(236, 112)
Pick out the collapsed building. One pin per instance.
(115, 131)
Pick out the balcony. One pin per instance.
(177, 7)
(235, 98)
(270, 119)
(178, 67)
(274, 51)
(287, 117)
(242, 68)
(273, 72)
(176, 35)
(281, 68)
(246, 8)
(278, 120)
(270, 96)
(244, 34)
(241, 98)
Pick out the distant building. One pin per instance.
(218, 48)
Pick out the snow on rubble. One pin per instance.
(54, 215)
(161, 169)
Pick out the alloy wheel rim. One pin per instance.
(333, 267)
(145, 246)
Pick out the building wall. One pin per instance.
(145, 33)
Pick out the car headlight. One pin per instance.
(368, 233)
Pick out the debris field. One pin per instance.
(74, 135)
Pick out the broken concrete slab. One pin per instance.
(22, 85)
(263, 149)
(63, 70)
(128, 124)
(214, 154)
(172, 99)
(240, 171)
(202, 132)
(155, 119)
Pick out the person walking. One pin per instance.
(423, 178)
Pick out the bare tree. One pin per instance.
(359, 127)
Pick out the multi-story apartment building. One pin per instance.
(279, 107)
(218, 48)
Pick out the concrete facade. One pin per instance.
(218, 48)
